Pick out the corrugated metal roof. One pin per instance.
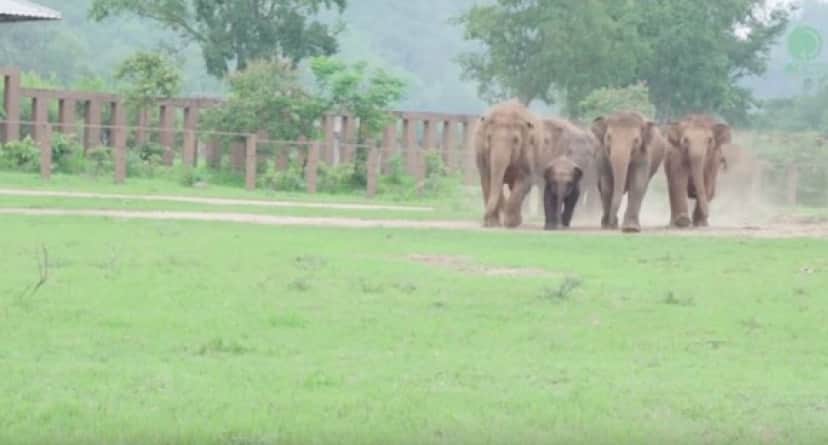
(22, 10)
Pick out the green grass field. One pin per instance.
(206, 333)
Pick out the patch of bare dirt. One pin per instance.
(467, 265)
(772, 230)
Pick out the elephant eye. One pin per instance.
(516, 140)
(710, 141)
(685, 142)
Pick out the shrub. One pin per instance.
(67, 154)
(290, 180)
(99, 161)
(338, 179)
(23, 155)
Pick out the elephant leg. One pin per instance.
(552, 208)
(677, 184)
(605, 189)
(699, 217)
(570, 203)
(514, 205)
(639, 180)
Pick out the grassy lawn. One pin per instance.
(197, 333)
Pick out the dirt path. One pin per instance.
(773, 231)
(209, 201)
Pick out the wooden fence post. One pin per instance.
(166, 135)
(410, 141)
(312, 167)
(119, 133)
(372, 169)
(469, 158)
(190, 139)
(40, 112)
(66, 113)
(92, 135)
(389, 146)
(328, 148)
(449, 142)
(44, 131)
(11, 101)
(349, 128)
(250, 165)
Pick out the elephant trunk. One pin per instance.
(697, 179)
(620, 161)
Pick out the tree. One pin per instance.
(698, 60)
(605, 101)
(353, 89)
(267, 96)
(534, 49)
(691, 54)
(148, 76)
(233, 33)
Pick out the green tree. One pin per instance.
(148, 77)
(700, 52)
(550, 49)
(691, 54)
(267, 96)
(233, 33)
(604, 101)
(356, 90)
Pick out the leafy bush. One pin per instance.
(99, 161)
(23, 155)
(67, 154)
(336, 180)
(290, 180)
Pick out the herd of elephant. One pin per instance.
(619, 154)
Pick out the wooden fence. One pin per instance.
(100, 119)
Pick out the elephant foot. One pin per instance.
(513, 221)
(632, 227)
(609, 224)
(550, 227)
(701, 223)
(491, 222)
(682, 221)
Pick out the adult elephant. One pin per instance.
(506, 143)
(631, 149)
(692, 166)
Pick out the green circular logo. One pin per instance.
(805, 43)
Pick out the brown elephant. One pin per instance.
(631, 149)
(692, 166)
(568, 157)
(506, 143)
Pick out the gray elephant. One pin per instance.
(572, 152)
(506, 143)
(631, 150)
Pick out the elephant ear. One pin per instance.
(722, 134)
(599, 128)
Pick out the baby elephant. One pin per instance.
(563, 189)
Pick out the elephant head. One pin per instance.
(698, 141)
(624, 139)
(562, 178)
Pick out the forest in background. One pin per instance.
(414, 40)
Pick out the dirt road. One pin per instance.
(771, 231)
